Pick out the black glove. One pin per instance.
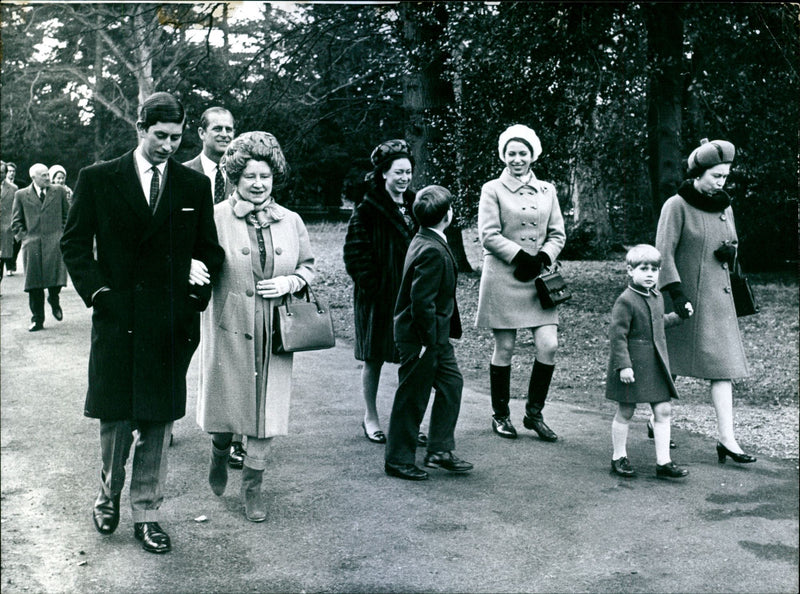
(726, 253)
(679, 300)
(527, 266)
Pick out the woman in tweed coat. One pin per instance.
(522, 232)
(697, 237)
(378, 235)
(244, 388)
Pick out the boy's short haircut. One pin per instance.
(431, 205)
(643, 254)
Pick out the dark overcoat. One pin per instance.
(146, 329)
(375, 248)
(637, 340)
(7, 191)
(38, 227)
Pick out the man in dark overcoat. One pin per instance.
(8, 251)
(157, 251)
(37, 221)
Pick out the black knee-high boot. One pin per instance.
(500, 384)
(539, 385)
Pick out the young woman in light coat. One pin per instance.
(697, 237)
(244, 388)
(522, 232)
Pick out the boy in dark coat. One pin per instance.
(425, 318)
(638, 368)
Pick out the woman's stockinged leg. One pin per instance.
(504, 342)
(370, 379)
(722, 398)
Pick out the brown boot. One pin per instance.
(254, 507)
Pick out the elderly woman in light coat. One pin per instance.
(245, 388)
(522, 232)
(697, 237)
(58, 177)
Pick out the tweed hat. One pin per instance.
(389, 150)
(709, 154)
(518, 131)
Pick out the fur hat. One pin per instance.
(390, 150)
(523, 133)
(709, 154)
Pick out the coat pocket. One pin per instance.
(233, 317)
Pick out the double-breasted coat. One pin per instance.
(708, 345)
(146, 329)
(243, 387)
(637, 340)
(7, 191)
(514, 216)
(375, 247)
(38, 226)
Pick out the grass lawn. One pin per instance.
(770, 337)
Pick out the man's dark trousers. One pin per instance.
(437, 369)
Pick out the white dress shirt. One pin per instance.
(145, 171)
(210, 169)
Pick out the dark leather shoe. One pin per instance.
(57, 313)
(105, 514)
(670, 470)
(503, 427)
(236, 455)
(537, 424)
(35, 326)
(154, 539)
(742, 458)
(448, 461)
(409, 472)
(622, 467)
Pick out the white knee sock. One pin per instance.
(661, 433)
(619, 437)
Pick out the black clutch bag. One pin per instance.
(744, 300)
(301, 325)
(551, 288)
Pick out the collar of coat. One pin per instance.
(642, 291)
(514, 183)
(717, 202)
(383, 203)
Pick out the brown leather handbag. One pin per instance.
(551, 288)
(302, 325)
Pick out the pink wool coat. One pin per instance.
(232, 330)
(514, 216)
(637, 340)
(708, 345)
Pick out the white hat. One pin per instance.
(522, 132)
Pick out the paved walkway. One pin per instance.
(531, 517)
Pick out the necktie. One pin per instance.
(41, 195)
(154, 185)
(219, 187)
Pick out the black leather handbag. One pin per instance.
(301, 325)
(551, 288)
(744, 300)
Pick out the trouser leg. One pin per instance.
(115, 443)
(448, 383)
(149, 470)
(36, 303)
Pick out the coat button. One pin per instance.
(248, 336)
(522, 223)
(725, 265)
(523, 208)
(246, 250)
(250, 292)
(533, 207)
(727, 289)
(278, 251)
(534, 223)
(723, 217)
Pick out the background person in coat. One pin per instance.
(244, 388)
(58, 177)
(522, 231)
(9, 247)
(157, 251)
(380, 230)
(697, 237)
(638, 365)
(37, 220)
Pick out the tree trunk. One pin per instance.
(664, 24)
(427, 94)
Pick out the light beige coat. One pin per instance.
(514, 216)
(238, 321)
